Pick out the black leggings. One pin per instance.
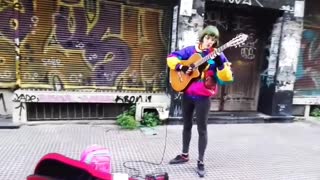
(201, 105)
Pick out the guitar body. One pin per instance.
(179, 81)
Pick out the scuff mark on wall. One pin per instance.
(270, 72)
(190, 26)
(289, 52)
(188, 31)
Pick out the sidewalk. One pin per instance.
(235, 151)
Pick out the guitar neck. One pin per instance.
(211, 55)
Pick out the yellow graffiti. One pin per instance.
(2, 60)
(44, 62)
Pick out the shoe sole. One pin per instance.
(178, 162)
(200, 175)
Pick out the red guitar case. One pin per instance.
(55, 166)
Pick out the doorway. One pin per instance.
(246, 60)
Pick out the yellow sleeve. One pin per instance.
(225, 74)
(172, 62)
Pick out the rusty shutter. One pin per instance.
(94, 44)
(8, 25)
(308, 69)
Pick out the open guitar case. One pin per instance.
(55, 166)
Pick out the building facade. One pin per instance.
(85, 59)
(307, 85)
(81, 55)
(265, 67)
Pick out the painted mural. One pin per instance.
(72, 44)
(308, 69)
(7, 46)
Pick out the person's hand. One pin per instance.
(216, 52)
(185, 69)
(217, 59)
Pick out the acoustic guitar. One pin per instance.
(179, 80)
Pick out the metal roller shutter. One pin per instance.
(94, 44)
(8, 25)
(308, 68)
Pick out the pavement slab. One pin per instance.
(285, 151)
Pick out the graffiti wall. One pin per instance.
(308, 79)
(8, 25)
(308, 69)
(72, 44)
(275, 4)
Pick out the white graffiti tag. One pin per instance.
(247, 2)
(6, 75)
(248, 50)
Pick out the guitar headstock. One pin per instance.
(238, 40)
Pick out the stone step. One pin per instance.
(239, 118)
(6, 122)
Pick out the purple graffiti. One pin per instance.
(105, 74)
(96, 49)
(11, 11)
(80, 39)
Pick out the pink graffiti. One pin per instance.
(64, 98)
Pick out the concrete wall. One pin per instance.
(6, 103)
(190, 23)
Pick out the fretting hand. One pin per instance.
(217, 58)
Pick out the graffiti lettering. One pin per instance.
(25, 98)
(22, 98)
(3, 102)
(132, 99)
(282, 107)
(248, 53)
(110, 77)
(176, 107)
(30, 76)
(20, 107)
(51, 62)
(77, 78)
(93, 57)
(6, 75)
(248, 50)
(76, 98)
(247, 2)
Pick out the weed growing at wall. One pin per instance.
(127, 119)
(316, 112)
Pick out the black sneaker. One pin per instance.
(200, 169)
(180, 159)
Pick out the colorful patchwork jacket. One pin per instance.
(221, 74)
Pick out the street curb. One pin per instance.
(309, 120)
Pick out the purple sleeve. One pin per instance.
(184, 53)
(223, 59)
